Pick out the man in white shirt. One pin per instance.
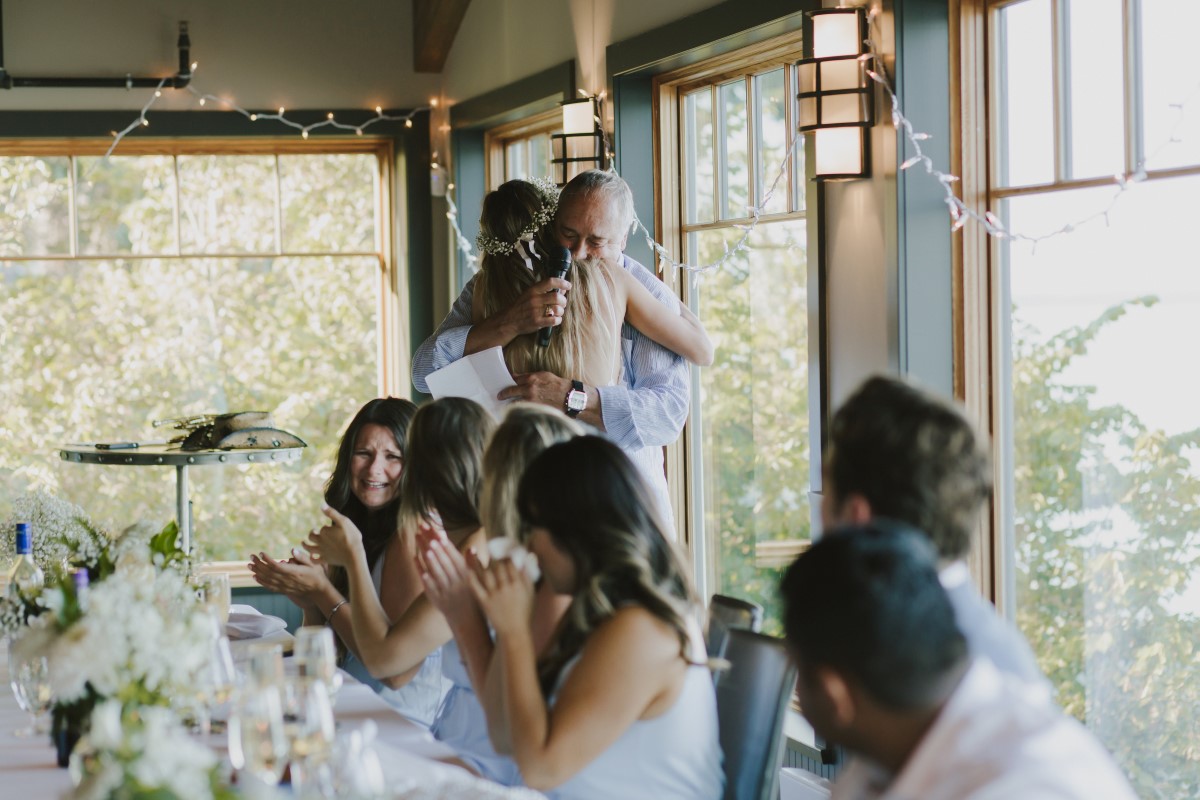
(885, 672)
(901, 456)
(643, 413)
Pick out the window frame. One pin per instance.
(392, 314)
(668, 90)
(497, 140)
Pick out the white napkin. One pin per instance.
(510, 548)
(251, 624)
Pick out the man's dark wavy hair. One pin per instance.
(914, 457)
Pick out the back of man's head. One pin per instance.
(913, 457)
(867, 604)
(607, 186)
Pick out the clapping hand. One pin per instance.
(506, 594)
(300, 579)
(339, 543)
(446, 573)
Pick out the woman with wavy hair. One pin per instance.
(525, 431)
(516, 232)
(365, 487)
(439, 488)
(621, 702)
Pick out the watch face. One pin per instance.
(577, 401)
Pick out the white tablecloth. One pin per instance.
(28, 770)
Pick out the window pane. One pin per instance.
(126, 204)
(753, 410)
(1026, 95)
(698, 156)
(773, 140)
(516, 160)
(734, 167)
(1106, 462)
(1169, 77)
(328, 202)
(97, 350)
(227, 204)
(1097, 112)
(539, 155)
(35, 220)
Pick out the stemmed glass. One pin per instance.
(258, 745)
(30, 680)
(308, 723)
(216, 682)
(316, 657)
(217, 596)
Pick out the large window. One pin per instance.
(521, 149)
(182, 280)
(749, 443)
(1099, 434)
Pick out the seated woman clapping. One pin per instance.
(621, 702)
(525, 432)
(440, 486)
(365, 487)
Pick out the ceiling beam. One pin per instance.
(435, 24)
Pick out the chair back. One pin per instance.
(728, 613)
(752, 701)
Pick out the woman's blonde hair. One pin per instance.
(594, 503)
(527, 430)
(445, 464)
(507, 212)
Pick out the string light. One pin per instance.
(960, 213)
(202, 99)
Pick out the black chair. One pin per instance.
(728, 613)
(752, 701)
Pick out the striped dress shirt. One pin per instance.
(641, 415)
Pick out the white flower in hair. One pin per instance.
(510, 548)
(548, 192)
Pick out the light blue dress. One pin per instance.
(462, 724)
(419, 699)
(674, 756)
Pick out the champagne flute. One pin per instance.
(216, 684)
(30, 681)
(316, 656)
(217, 595)
(308, 724)
(258, 745)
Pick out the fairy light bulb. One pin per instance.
(408, 123)
(304, 134)
(329, 116)
(281, 111)
(379, 110)
(202, 101)
(254, 117)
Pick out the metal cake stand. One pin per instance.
(163, 455)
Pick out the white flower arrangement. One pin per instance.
(142, 753)
(548, 194)
(142, 638)
(61, 530)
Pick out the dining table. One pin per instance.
(415, 765)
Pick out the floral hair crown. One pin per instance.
(548, 193)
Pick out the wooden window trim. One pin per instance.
(495, 140)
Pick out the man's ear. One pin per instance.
(842, 707)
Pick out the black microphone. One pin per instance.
(558, 265)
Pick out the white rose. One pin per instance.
(106, 725)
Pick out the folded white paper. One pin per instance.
(507, 547)
(252, 626)
(479, 377)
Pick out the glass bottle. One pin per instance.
(25, 576)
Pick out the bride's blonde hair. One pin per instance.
(510, 213)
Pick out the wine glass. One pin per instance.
(30, 680)
(217, 595)
(316, 657)
(216, 683)
(308, 724)
(265, 666)
(258, 745)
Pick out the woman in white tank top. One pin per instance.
(621, 703)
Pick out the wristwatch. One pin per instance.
(576, 399)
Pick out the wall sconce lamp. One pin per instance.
(580, 141)
(836, 101)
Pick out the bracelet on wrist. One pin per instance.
(335, 609)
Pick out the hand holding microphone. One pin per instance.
(558, 264)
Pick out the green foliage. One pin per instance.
(754, 409)
(96, 350)
(1107, 534)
